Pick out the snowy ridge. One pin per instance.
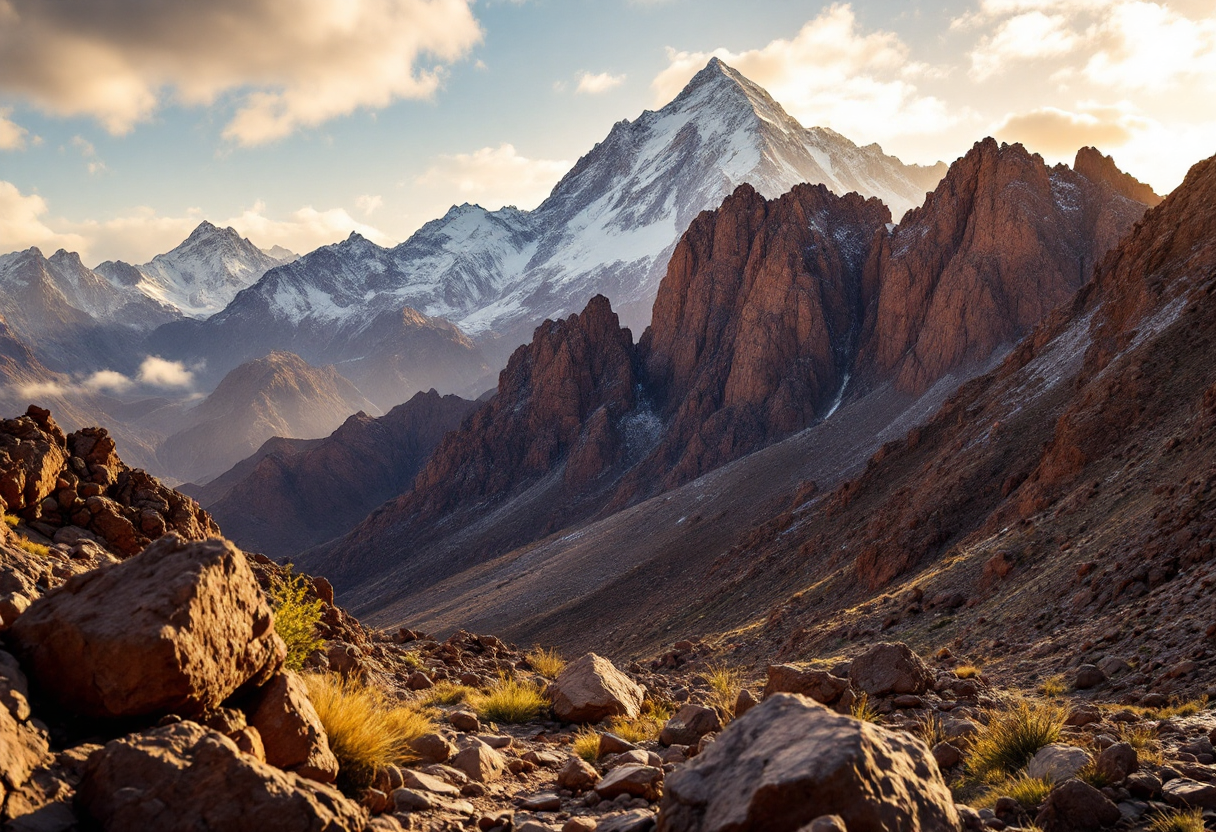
(203, 274)
(609, 226)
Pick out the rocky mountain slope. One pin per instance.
(279, 395)
(726, 367)
(294, 494)
(608, 227)
(151, 688)
(200, 276)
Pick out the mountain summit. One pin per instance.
(203, 274)
(608, 227)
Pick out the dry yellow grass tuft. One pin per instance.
(32, 547)
(967, 671)
(447, 693)
(1054, 686)
(1188, 821)
(11, 520)
(1026, 790)
(587, 744)
(548, 663)
(644, 727)
(863, 710)
(366, 731)
(509, 700)
(724, 686)
(1011, 737)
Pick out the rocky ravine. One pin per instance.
(147, 691)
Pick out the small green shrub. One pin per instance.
(1011, 737)
(366, 732)
(509, 701)
(296, 617)
(548, 663)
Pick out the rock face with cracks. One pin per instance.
(185, 777)
(789, 761)
(178, 628)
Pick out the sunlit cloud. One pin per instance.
(89, 153)
(136, 237)
(589, 84)
(1057, 134)
(1027, 37)
(495, 176)
(12, 135)
(158, 372)
(108, 381)
(286, 65)
(369, 203)
(831, 74)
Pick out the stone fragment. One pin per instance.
(890, 668)
(1057, 762)
(817, 684)
(790, 760)
(689, 724)
(480, 762)
(577, 775)
(1076, 806)
(635, 780)
(592, 689)
(292, 733)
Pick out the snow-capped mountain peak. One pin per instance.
(201, 275)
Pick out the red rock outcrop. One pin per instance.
(65, 485)
(756, 323)
(1001, 242)
(292, 498)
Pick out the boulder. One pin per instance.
(186, 777)
(1057, 762)
(890, 668)
(480, 762)
(1117, 762)
(178, 628)
(577, 775)
(22, 750)
(433, 748)
(635, 780)
(292, 734)
(1088, 676)
(592, 689)
(790, 760)
(1188, 793)
(689, 724)
(1076, 806)
(817, 684)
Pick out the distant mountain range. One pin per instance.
(608, 227)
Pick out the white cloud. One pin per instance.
(286, 65)
(12, 135)
(23, 223)
(158, 372)
(110, 380)
(89, 153)
(143, 233)
(369, 203)
(495, 176)
(830, 74)
(1148, 46)
(589, 84)
(1027, 37)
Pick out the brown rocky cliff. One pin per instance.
(755, 324)
(1001, 242)
(559, 406)
(294, 499)
(1096, 167)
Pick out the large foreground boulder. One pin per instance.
(185, 777)
(790, 760)
(890, 668)
(592, 689)
(292, 734)
(178, 628)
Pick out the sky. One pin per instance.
(124, 123)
